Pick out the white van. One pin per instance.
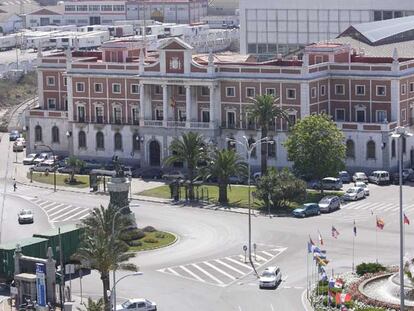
(379, 177)
(270, 277)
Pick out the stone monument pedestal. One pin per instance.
(118, 189)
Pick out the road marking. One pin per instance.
(84, 216)
(192, 274)
(260, 257)
(171, 270)
(392, 207)
(72, 216)
(206, 273)
(219, 270)
(46, 206)
(52, 209)
(384, 207)
(271, 307)
(242, 257)
(239, 263)
(230, 267)
(59, 211)
(43, 203)
(60, 216)
(268, 254)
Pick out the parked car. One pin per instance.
(257, 175)
(344, 177)
(363, 186)
(25, 216)
(237, 180)
(18, 147)
(89, 166)
(395, 178)
(270, 277)
(307, 209)
(173, 175)
(329, 203)
(13, 135)
(22, 141)
(148, 173)
(354, 194)
(28, 160)
(360, 176)
(42, 157)
(379, 177)
(46, 167)
(408, 174)
(331, 183)
(137, 304)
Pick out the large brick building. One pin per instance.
(115, 102)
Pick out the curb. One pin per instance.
(176, 239)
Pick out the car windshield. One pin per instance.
(267, 274)
(360, 175)
(25, 213)
(126, 304)
(351, 190)
(31, 155)
(362, 185)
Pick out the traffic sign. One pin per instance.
(69, 269)
(244, 247)
(254, 246)
(13, 290)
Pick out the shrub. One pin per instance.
(149, 229)
(150, 240)
(160, 235)
(135, 243)
(133, 234)
(370, 267)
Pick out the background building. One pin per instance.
(269, 27)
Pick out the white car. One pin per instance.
(363, 186)
(18, 147)
(22, 141)
(29, 159)
(25, 216)
(42, 157)
(360, 176)
(354, 194)
(270, 277)
(137, 304)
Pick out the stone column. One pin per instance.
(395, 102)
(141, 103)
(40, 88)
(188, 106)
(304, 100)
(165, 104)
(118, 189)
(212, 106)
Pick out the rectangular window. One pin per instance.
(65, 81)
(80, 87)
(381, 116)
(270, 91)
(81, 114)
(205, 116)
(116, 88)
(51, 103)
(82, 8)
(381, 91)
(290, 93)
(159, 114)
(360, 90)
(292, 119)
(118, 8)
(271, 148)
(94, 8)
(106, 8)
(360, 116)
(339, 89)
(134, 88)
(250, 92)
(323, 90)
(70, 8)
(318, 59)
(403, 89)
(340, 115)
(157, 90)
(50, 81)
(403, 115)
(182, 116)
(117, 115)
(205, 91)
(231, 119)
(135, 116)
(230, 91)
(98, 87)
(411, 87)
(99, 111)
(313, 92)
(181, 90)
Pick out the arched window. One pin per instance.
(118, 141)
(55, 134)
(136, 144)
(350, 149)
(271, 148)
(404, 145)
(252, 141)
(371, 149)
(393, 148)
(38, 133)
(100, 144)
(82, 139)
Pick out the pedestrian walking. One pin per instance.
(14, 185)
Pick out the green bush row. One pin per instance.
(370, 267)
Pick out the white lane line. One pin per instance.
(389, 208)
(242, 257)
(219, 270)
(172, 271)
(362, 206)
(57, 206)
(383, 207)
(229, 267)
(84, 216)
(208, 274)
(192, 274)
(61, 210)
(64, 214)
(260, 257)
(74, 215)
(239, 263)
(268, 254)
(36, 200)
(44, 203)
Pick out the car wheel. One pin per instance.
(329, 209)
(303, 215)
(319, 212)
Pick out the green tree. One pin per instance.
(222, 165)
(264, 112)
(188, 149)
(278, 188)
(316, 147)
(75, 164)
(103, 250)
(92, 305)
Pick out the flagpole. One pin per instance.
(307, 271)
(353, 247)
(376, 239)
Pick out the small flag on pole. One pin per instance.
(355, 229)
(380, 223)
(310, 240)
(320, 238)
(406, 220)
(335, 232)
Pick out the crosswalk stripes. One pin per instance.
(222, 271)
(61, 212)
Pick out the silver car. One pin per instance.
(25, 216)
(329, 203)
(354, 194)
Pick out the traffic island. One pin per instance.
(148, 238)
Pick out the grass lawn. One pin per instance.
(82, 180)
(153, 240)
(238, 195)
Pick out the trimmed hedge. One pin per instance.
(370, 267)
(133, 234)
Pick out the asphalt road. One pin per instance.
(205, 269)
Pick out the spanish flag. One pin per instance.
(380, 223)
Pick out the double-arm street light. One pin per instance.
(54, 162)
(401, 134)
(249, 147)
(115, 283)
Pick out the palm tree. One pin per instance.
(265, 111)
(224, 164)
(75, 165)
(93, 305)
(104, 251)
(188, 149)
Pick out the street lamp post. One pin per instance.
(54, 162)
(125, 276)
(114, 270)
(249, 148)
(401, 133)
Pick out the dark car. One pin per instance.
(395, 179)
(148, 173)
(307, 209)
(89, 166)
(345, 177)
(14, 135)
